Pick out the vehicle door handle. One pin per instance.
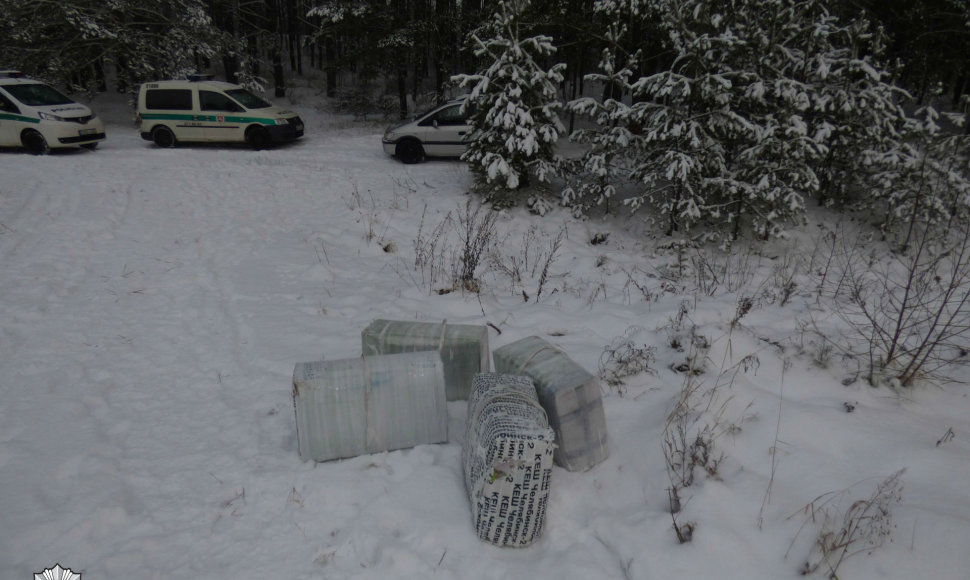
(462, 132)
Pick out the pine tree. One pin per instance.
(760, 105)
(923, 181)
(607, 158)
(70, 42)
(514, 103)
(855, 108)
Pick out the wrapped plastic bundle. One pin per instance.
(507, 459)
(463, 347)
(351, 407)
(570, 396)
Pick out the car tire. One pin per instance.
(409, 151)
(34, 142)
(258, 138)
(163, 137)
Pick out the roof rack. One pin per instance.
(200, 77)
(11, 74)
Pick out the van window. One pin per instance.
(7, 106)
(446, 117)
(37, 95)
(178, 99)
(212, 101)
(249, 100)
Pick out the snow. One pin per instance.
(156, 301)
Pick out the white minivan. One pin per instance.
(199, 109)
(442, 131)
(37, 117)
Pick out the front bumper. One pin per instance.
(290, 132)
(69, 134)
(82, 139)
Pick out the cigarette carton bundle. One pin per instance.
(507, 459)
(463, 347)
(351, 407)
(570, 396)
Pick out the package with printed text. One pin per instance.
(507, 459)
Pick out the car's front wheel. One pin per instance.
(163, 136)
(409, 151)
(34, 142)
(258, 138)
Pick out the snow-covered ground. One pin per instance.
(153, 304)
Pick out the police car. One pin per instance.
(37, 117)
(199, 109)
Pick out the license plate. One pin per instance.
(83, 132)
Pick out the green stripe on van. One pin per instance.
(12, 117)
(207, 118)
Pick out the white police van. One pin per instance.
(199, 109)
(37, 117)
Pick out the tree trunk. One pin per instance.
(441, 46)
(99, 75)
(330, 59)
(959, 89)
(231, 66)
(278, 81)
(402, 92)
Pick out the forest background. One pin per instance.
(405, 49)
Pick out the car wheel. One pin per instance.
(258, 138)
(163, 137)
(409, 151)
(34, 142)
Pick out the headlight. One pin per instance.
(50, 117)
(94, 115)
(281, 121)
(389, 136)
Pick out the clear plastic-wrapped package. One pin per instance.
(507, 459)
(351, 407)
(463, 347)
(570, 395)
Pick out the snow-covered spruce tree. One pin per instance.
(855, 109)
(167, 41)
(594, 178)
(734, 130)
(514, 102)
(711, 138)
(923, 181)
(70, 42)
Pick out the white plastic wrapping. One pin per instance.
(570, 396)
(507, 459)
(463, 347)
(351, 407)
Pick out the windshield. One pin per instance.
(426, 111)
(445, 106)
(37, 95)
(248, 100)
